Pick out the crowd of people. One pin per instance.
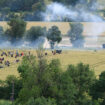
(54, 52)
(4, 58)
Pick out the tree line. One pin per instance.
(30, 5)
(17, 31)
(43, 83)
(30, 10)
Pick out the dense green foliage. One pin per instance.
(44, 83)
(6, 87)
(16, 30)
(18, 5)
(24, 8)
(35, 32)
(41, 101)
(98, 89)
(4, 102)
(75, 34)
(54, 35)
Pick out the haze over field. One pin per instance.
(91, 31)
(56, 13)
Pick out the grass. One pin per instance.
(66, 58)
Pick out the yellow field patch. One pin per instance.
(89, 27)
(67, 57)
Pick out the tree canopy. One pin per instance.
(75, 34)
(54, 35)
(98, 89)
(16, 30)
(46, 83)
(35, 32)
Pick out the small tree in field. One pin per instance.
(16, 30)
(35, 32)
(75, 35)
(54, 35)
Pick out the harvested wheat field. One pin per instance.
(96, 60)
(90, 28)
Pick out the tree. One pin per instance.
(38, 78)
(75, 34)
(39, 6)
(97, 90)
(44, 83)
(67, 90)
(82, 78)
(54, 35)
(16, 29)
(35, 32)
(6, 87)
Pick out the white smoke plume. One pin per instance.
(22, 44)
(79, 13)
(59, 12)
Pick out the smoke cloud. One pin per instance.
(79, 13)
(59, 12)
(22, 44)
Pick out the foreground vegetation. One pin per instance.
(46, 83)
(4, 102)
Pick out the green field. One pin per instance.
(66, 58)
